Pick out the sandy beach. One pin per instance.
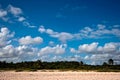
(69, 75)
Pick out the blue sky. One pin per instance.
(58, 30)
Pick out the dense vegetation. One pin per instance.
(59, 65)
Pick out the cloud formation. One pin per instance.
(5, 35)
(14, 10)
(3, 14)
(16, 54)
(58, 49)
(111, 47)
(99, 54)
(14, 14)
(62, 36)
(24, 52)
(29, 40)
(86, 48)
(9, 52)
(101, 30)
(21, 19)
(23, 48)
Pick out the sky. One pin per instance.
(60, 30)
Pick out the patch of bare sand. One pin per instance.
(11, 75)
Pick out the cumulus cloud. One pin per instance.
(3, 13)
(26, 23)
(5, 35)
(62, 36)
(18, 14)
(101, 30)
(88, 47)
(61, 58)
(14, 14)
(98, 59)
(110, 48)
(96, 54)
(7, 51)
(21, 19)
(14, 10)
(24, 52)
(99, 54)
(21, 53)
(29, 40)
(58, 49)
(94, 48)
(51, 43)
(42, 29)
(85, 48)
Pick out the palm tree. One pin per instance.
(110, 62)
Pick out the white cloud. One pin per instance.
(7, 52)
(14, 14)
(100, 26)
(62, 36)
(72, 50)
(51, 43)
(99, 54)
(100, 32)
(26, 23)
(116, 26)
(98, 59)
(88, 47)
(85, 48)
(16, 54)
(6, 49)
(42, 29)
(5, 35)
(18, 14)
(29, 40)
(24, 52)
(21, 19)
(108, 48)
(58, 49)
(86, 30)
(3, 13)
(61, 58)
(14, 10)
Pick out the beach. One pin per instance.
(57, 75)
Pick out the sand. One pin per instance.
(12, 75)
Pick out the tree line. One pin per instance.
(59, 65)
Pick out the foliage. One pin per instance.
(59, 65)
(110, 62)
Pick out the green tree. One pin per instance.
(81, 63)
(105, 64)
(110, 62)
